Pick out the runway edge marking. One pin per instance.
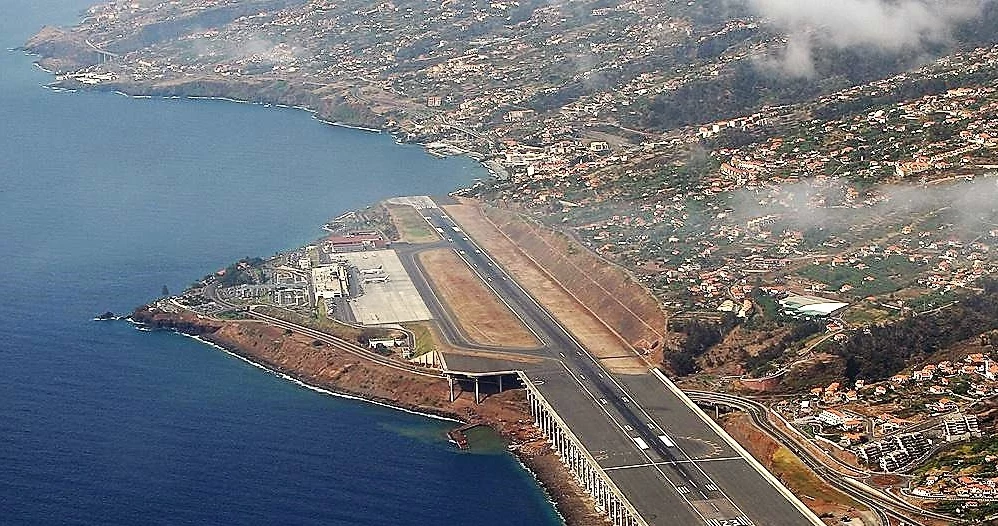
(741, 450)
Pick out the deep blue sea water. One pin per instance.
(105, 199)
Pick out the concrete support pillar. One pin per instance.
(583, 467)
(500, 383)
(477, 399)
(450, 382)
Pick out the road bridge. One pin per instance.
(103, 56)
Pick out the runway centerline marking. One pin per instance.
(673, 463)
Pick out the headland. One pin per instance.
(422, 304)
(346, 315)
(323, 367)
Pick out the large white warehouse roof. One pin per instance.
(811, 305)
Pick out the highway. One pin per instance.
(888, 507)
(675, 469)
(327, 339)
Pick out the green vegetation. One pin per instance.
(240, 273)
(232, 315)
(424, 340)
(975, 514)
(700, 337)
(327, 325)
(800, 331)
(889, 274)
(881, 351)
(792, 472)
(769, 307)
(411, 226)
(967, 458)
(863, 314)
(330, 326)
(974, 458)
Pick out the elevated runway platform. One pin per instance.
(700, 479)
(636, 443)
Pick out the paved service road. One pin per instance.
(675, 466)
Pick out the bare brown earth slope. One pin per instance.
(600, 304)
(338, 371)
(822, 499)
(602, 287)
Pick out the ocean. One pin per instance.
(106, 199)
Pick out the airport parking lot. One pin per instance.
(395, 300)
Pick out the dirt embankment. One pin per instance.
(825, 501)
(596, 325)
(322, 366)
(603, 288)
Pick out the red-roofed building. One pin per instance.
(356, 241)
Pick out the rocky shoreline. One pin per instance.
(66, 55)
(60, 51)
(298, 358)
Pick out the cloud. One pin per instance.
(886, 25)
(970, 208)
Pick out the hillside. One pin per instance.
(724, 155)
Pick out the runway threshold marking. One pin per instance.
(673, 463)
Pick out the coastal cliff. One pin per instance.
(69, 54)
(321, 366)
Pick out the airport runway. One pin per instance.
(675, 467)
